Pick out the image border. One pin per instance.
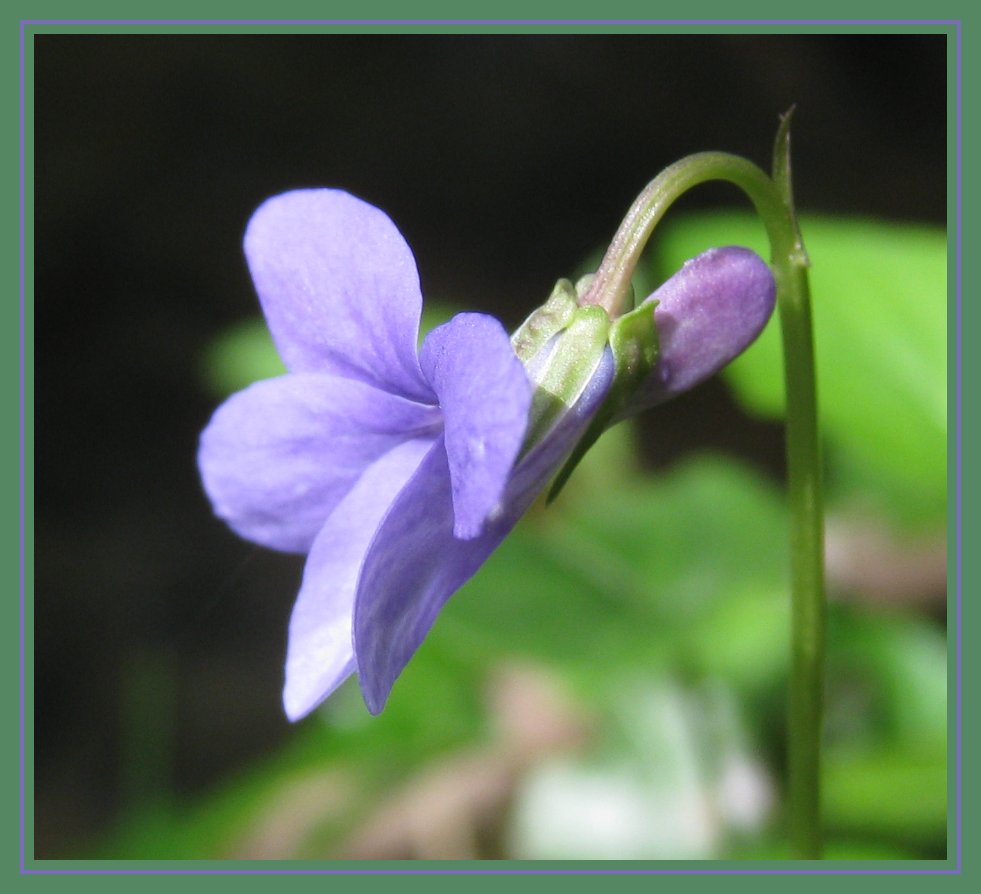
(29, 27)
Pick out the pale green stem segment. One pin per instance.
(561, 345)
(773, 201)
(567, 369)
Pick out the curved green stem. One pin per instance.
(772, 199)
(610, 286)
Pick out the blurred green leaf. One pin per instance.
(896, 663)
(242, 355)
(886, 756)
(892, 793)
(879, 294)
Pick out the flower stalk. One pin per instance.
(772, 199)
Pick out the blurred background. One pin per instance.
(612, 683)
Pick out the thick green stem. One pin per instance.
(772, 199)
(807, 525)
(806, 554)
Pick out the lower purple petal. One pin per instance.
(320, 653)
(415, 563)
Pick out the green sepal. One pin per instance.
(562, 370)
(547, 321)
(633, 340)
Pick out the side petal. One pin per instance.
(277, 457)
(320, 653)
(339, 287)
(485, 395)
(708, 313)
(415, 563)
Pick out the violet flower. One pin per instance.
(399, 471)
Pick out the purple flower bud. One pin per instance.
(706, 315)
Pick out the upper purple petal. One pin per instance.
(415, 563)
(708, 313)
(320, 654)
(277, 457)
(485, 396)
(339, 287)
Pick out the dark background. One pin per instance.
(504, 161)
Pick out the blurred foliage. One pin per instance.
(644, 619)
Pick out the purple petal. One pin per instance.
(415, 563)
(485, 395)
(339, 288)
(708, 313)
(320, 655)
(277, 457)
